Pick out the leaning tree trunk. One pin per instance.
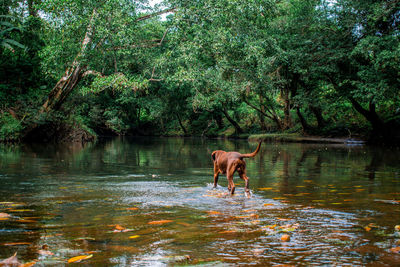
(181, 124)
(72, 75)
(370, 114)
(238, 129)
(306, 127)
(318, 115)
(287, 121)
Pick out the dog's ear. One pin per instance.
(213, 155)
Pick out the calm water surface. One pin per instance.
(150, 202)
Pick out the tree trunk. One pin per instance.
(72, 75)
(287, 121)
(261, 115)
(306, 127)
(371, 115)
(274, 117)
(218, 118)
(318, 115)
(238, 129)
(181, 124)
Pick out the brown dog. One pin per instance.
(229, 162)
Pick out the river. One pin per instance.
(150, 202)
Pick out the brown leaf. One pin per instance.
(160, 222)
(212, 212)
(45, 252)
(80, 258)
(119, 227)
(4, 215)
(228, 232)
(11, 261)
(28, 264)
(16, 243)
(395, 250)
(285, 238)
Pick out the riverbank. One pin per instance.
(297, 138)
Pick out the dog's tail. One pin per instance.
(251, 155)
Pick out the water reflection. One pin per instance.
(149, 202)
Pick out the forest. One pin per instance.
(76, 70)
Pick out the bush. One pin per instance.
(10, 129)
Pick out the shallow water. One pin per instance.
(150, 202)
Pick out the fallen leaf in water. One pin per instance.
(4, 215)
(28, 264)
(228, 232)
(16, 243)
(26, 221)
(184, 224)
(11, 261)
(20, 210)
(160, 222)
(119, 227)
(80, 258)
(132, 208)
(283, 219)
(212, 212)
(336, 203)
(285, 238)
(45, 252)
(249, 211)
(85, 238)
(134, 236)
(289, 227)
(279, 198)
(268, 204)
(348, 200)
(265, 188)
(360, 190)
(395, 250)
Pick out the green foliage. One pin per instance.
(210, 68)
(10, 127)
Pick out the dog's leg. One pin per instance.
(242, 174)
(229, 175)
(216, 173)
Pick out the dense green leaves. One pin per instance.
(331, 67)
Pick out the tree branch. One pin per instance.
(92, 72)
(156, 14)
(257, 109)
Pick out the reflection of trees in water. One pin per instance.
(290, 164)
